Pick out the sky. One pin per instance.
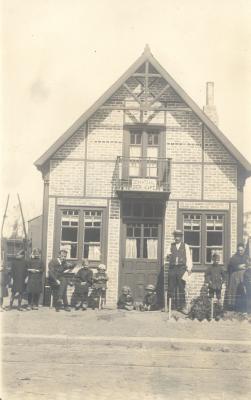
(59, 56)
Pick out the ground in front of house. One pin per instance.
(112, 354)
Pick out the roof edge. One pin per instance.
(90, 111)
(147, 55)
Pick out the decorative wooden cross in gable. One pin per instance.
(147, 89)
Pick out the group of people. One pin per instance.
(25, 276)
(236, 277)
(90, 288)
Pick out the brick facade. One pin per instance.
(204, 174)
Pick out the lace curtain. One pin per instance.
(131, 248)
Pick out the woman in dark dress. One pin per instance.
(236, 270)
(34, 285)
(19, 271)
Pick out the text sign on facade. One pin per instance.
(143, 184)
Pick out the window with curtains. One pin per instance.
(142, 240)
(144, 150)
(92, 235)
(69, 233)
(205, 232)
(82, 233)
(192, 234)
(142, 224)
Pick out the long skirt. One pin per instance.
(236, 279)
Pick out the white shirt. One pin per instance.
(189, 262)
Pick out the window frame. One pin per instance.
(80, 244)
(145, 131)
(203, 264)
(142, 225)
(70, 226)
(130, 218)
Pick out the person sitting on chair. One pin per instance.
(58, 280)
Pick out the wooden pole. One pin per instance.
(22, 215)
(165, 300)
(51, 300)
(170, 308)
(4, 216)
(165, 284)
(212, 308)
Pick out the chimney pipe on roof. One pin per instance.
(210, 109)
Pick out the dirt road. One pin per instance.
(58, 356)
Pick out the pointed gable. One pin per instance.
(146, 88)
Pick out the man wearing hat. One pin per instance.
(180, 261)
(58, 281)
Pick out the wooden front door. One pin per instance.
(141, 255)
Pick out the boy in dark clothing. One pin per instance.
(247, 285)
(83, 281)
(214, 277)
(150, 302)
(125, 301)
(100, 280)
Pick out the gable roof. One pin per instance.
(146, 56)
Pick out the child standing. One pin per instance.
(215, 277)
(83, 282)
(125, 301)
(150, 302)
(100, 280)
(247, 285)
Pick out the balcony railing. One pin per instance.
(143, 174)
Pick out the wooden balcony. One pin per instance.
(147, 177)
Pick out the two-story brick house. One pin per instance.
(143, 160)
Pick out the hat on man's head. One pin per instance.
(177, 232)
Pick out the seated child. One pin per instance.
(99, 287)
(125, 301)
(215, 277)
(150, 302)
(82, 283)
(247, 285)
